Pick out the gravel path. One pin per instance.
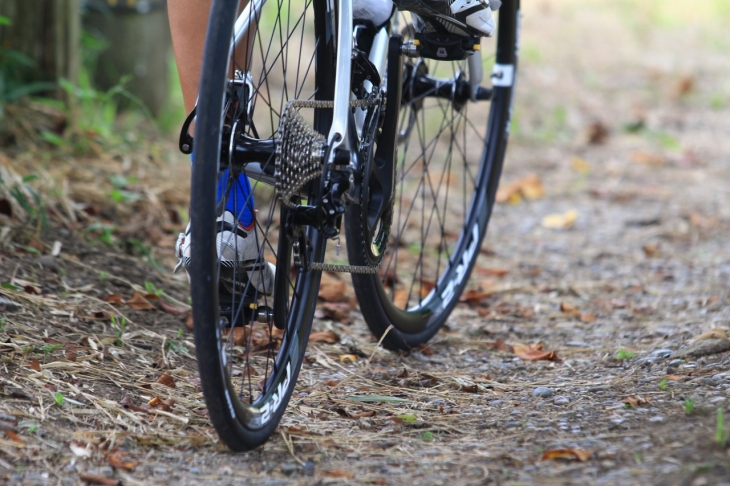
(609, 249)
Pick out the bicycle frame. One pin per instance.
(337, 137)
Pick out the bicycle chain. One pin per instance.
(333, 267)
(299, 159)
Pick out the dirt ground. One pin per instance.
(609, 248)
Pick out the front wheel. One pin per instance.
(449, 161)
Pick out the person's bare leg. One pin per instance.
(188, 25)
(188, 22)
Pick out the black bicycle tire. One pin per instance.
(411, 329)
(227, 413)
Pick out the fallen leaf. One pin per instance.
(13, 436)
(500, 345)
(70, 355)
(651, 250)
(560, 220)
(339, 473)
(684, 86)
(100, 480)
(331, 289)
(566, 308)
(121, 460)
(580, 165)
(97, 316)
(324, 337)
(32, 289)
(189, 321)
(400, 299)
(240, 335)
(717, 333)
(492, 272)
(587, 317)
(167, 380)
(138, 302)
(529, 187)
(469, 388)
(336, 311)
(701, 222)
(597, 133)
(35, 365)
(348, 357)
(647, 158)
(672, 378)
(115, 299)
(637, 401)
(175, 310)
(474, 296)
(569, 454)
(534, 352)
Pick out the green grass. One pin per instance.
(624, 354)
(689, 405)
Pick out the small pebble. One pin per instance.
(561, 400)
(512, 425)
(660, 354)
(288, 468)
(656, 419)
(542, 392)
(708, 381)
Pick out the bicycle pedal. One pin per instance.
(442, 47)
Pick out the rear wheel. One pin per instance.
(450, 156)
(250, 346)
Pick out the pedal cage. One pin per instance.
(442, 47)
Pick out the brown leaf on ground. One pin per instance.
(400, 300)
(560, 220)
(647, 158)
(344, 358)
(566, 308)
(651, 250)
(115, 299)
(637, 401)
(569, 454)
(332, 289)
(70, 355)
(35, 365)
(492, 272)
(717, 333)
(167, 380)
(127, 403)
(474, 296)
(699, 221)
(100, 480)
(500, 345)
(324, 337)
(240, 335)
(339, 473)
(684, 86)
(14, 437)
(597, 133)
(336, 311)
(426, 287)
(469, 388)
(529, 187)
(587, 317)
(189, 321)
(534, 352)
(121, 460)
(138, 302)
(175, 310)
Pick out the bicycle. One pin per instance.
(332, 123)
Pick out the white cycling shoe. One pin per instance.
(242, 267)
